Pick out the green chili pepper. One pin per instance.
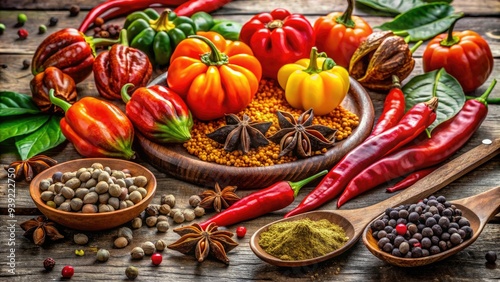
(158, 35)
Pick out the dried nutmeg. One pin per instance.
(52, 78)
(380, 56)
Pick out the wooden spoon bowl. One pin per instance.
(477, 209)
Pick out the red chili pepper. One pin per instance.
(411, 179)
(272, 198)
(192, 6)
(394, 109)
(414, 122)
(114, 8)
(447, 138)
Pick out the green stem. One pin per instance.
(313, 61)
(483, 98)
(299, 184)
(346, 18)
(214, 57)
(415, 47)
(451, 40)
(58, 102)
(163, 23)
(124, 92)
(122, 39)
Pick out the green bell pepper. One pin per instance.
(157, 35)
(228, 29)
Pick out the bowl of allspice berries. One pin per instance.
(94, 193)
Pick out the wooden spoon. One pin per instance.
(355, 221)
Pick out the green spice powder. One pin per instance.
(302, 239)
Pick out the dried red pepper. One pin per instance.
(70, 51)
(394, 108)
(411, 179)
(414, 122)
(96, 127)
(278, 38)
(52, 78)
(272, 198)
(192, 6)
(158, 113)
(447, 138)
(120, 65)
(115, 8)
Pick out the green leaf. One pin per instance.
(13, 103)
(437, 83)
(16, 126)
(395, 7)
(423, 22)
(46, 137)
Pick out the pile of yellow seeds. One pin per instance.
(267, 101)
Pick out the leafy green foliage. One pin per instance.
(13, 103)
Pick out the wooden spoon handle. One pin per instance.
(485, 205)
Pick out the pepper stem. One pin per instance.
(163, 23)
(415, 47)
(346, 18)
(122, 39)
(214, 57)
(484, 97)
(313, 61)
(451, 40)
(299, 184)
(124, 92)
(58, 102)
(395, 81)
(99, 42)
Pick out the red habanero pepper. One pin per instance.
(272, 198)
(414, 122)
(120, 65)
(394, 108)
(192, 6)
(410, 179)
(96, 128)
(447, 138)
(114, 8)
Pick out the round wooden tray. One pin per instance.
(176, 161)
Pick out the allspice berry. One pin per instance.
(136, 223)
(102, 255)
(199, 211)
(120, 242)
(165, 209)
(194, 200)
(151, 221)
(137, 253)
(188, 214)
(162, 226)
(132, 272)
(148, 247)
(178, 217)
(160, 245)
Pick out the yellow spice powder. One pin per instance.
(268, 100)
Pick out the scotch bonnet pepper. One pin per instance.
(120, 65)
(158, 113)
(52, 78)
(70, 51)
(213, 75)
(309, 86)
(278, 38)
(96, 127)
(158, 35)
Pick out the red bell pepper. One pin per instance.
(96, 127)
(158, 113)
(70, 51)
(278, 38)
(121, 65)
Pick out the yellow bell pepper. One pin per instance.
(308, 86)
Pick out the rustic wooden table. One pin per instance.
(24, 263)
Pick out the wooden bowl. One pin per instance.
(93, 221)
(175, 160)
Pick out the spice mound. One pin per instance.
(268, 100)
(302, 239)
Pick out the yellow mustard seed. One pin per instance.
(267, 101)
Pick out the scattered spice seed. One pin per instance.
(74, 10)
(156, 258)
(241, 231)
(67, 271)
(491, 257)
(21, 19)
(49, 264)
(132, 272)
(79, 252)
(26, 64)
(2, 28)
(42, 29)
(22, 33)
(53, 21)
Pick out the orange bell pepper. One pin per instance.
(213, 75)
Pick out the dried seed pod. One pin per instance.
(162, 226)
(120, 242)
(137, 253)
(148, 247)
(378, 58)
(160, 245)
(136, 223)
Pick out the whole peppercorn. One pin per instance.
(102, 255)
(49, 264)
(148, 247)
(160, 245)
(80, 239)
(98, 21)
(67, 271)
(26, 64)
(22, 33)
(156, 258)
(2, 28)
(53, 21)
(168, 199)
(21, 19)
(42, 29)
(74, 10)
(491, 257)
(241, 231)
(132, 272)
(194, 200)
(137, 253)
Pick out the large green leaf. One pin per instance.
(423, 22)
(395, 7)
(47, 136)
(21, 125)
(437, 83)
(13, 103)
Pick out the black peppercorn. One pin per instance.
(53, 21)
(491, 257)
(74, 10)
(26, 64)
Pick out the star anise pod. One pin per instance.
(300, 136)
(217, 199)
(31, 167)
(241, 134)
(39, 229)
(201, 243)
